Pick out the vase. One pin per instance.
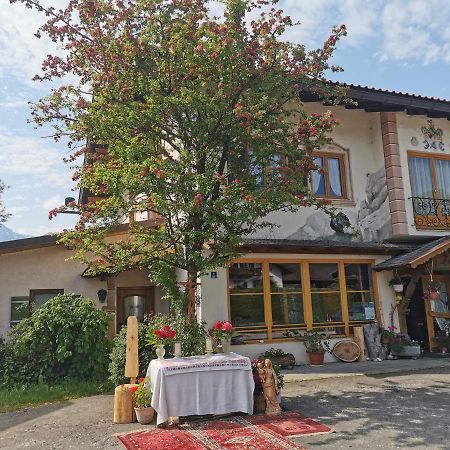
(316, 358)
(160, 351)
(144, 415)
(226, 344)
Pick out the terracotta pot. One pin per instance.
(316, 358)
(144, 415)
(385, 340)
(434, 295)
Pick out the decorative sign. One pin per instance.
(369, 312)
(213, 274)
(432, 137)
(414, 141)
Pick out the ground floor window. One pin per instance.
(19, 309)
(39, 296)
(267, 298)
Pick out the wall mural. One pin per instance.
(371, 220)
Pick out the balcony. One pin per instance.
(431, 213)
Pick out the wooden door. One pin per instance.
(136, 301)
(437, 310)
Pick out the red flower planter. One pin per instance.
(316, 358)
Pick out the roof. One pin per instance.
(18, 245)
(415, 258)
(323, 246)
(377, 100)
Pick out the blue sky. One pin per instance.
(401, 45)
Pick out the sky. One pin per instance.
(401, 45)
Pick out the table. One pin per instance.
(199, 385)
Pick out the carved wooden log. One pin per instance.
(132, 361)
(373, 341)
(123, 404)
(359, 339)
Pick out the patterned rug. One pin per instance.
(258, 432)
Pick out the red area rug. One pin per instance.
(233, 433)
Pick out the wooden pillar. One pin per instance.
(111, 305)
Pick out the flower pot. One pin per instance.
(316, 358)
(160, 351)
(144, 415)
(408, 351)
(434, 295)
(385, 340)
(226, 344)
(285, 362)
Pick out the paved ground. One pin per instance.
(375, 411)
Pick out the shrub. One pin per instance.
(191, 335)
(63, 339)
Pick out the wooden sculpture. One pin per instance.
(123, 395)
(347, 351)
(269, 385)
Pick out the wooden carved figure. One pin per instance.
(269, 385)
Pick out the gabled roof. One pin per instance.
(18, 245)
(377, 100)
(415, 258)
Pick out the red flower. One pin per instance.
(170, 334)
(141, 380)
(218, 325)
(133, 389)
(227, 327)
(166, 328)
(160, 334)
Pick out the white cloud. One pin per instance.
(52, 202)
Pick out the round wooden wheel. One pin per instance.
(347, 351)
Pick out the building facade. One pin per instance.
(388, 171)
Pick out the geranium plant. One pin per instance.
(316, 342)
(142, 394)
(389, 332)
(162, 336)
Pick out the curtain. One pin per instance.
(421, 179)
(334, 174)
(443, 177)
(318, 178)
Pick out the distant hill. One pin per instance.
(6, 234)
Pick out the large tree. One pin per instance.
(192, 116)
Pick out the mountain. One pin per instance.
(6, 234)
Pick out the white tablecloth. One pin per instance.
(195, 390)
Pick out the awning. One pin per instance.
(415, 258)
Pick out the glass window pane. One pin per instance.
(134, 306)
(245, 277)
(358, 277)
(287, 309)
(318, 178)
(421, 178)
(324, 277)
(361, 306)
(443, 177)
(285, 277)
(334, 177)
(247, 310)
(326, 307)
(19, 310)
(42, 297)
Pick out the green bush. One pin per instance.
(63, 339)
(190, 334)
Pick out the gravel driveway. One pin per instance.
(389, 411)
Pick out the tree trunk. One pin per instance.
(373, 341)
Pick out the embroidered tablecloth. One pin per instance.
(215, 384)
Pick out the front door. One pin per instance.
(134, 301)
(438, 315)
(416, 319)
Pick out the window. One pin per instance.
(39, 296)
(268, 298)
(19, 309)
(329, 180)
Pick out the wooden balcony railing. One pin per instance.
(431, 213)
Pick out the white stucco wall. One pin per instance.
(215, 303)
(409, 127)
(47, 268)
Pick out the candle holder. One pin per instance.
(209, 346)
(177, 350)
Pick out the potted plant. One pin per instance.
(434, 290)
(160, 337)
(223, 332)
(397, 284)
(316, 345)
(388, 335)
(142, 397)
(279, 358)
(403, 346)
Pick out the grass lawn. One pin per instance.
(20, 397)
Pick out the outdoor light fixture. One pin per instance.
(102, 293)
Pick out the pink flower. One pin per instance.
(218, 325)
(227, 327)
(392, 328)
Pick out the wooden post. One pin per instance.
(359, 339)
(132, 358)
